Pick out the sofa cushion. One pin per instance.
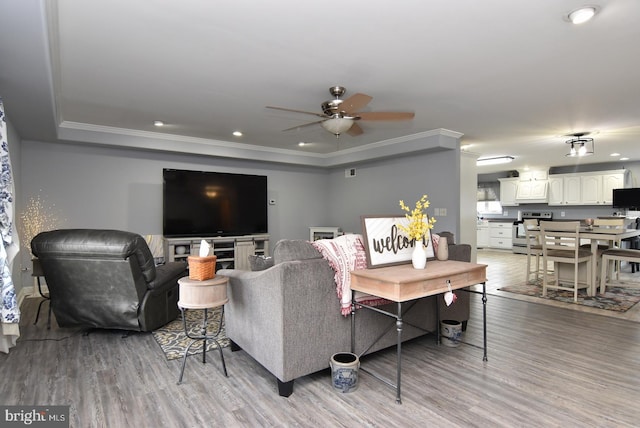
(290, 249)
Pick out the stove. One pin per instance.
(519, 239)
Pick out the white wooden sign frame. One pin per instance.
(386, 244)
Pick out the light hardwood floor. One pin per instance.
(506, 268)
(548, 366)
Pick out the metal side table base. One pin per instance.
(203, 336)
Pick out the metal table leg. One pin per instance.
(203, 336)
(399, 353)
(484, 320)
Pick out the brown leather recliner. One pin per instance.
(107, 279)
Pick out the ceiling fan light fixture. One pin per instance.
(337, 125)
(494, 161)
(582, 15)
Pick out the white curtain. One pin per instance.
(9, 246)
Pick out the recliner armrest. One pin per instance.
(168, 273)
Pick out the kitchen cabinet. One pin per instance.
(609, 182)
(556, 190)
(532, 191)
(572, 190)
(508, 191)
(483, 235)
(585, 188)
(591, 188)
(532, 187)
(597, 189)
(500, 235)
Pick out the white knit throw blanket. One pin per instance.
(344, 254)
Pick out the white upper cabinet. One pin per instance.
(572, 190)
(610, 182)
(532, 187)
(532, 191)
(585, 188)
(508, 190)
(556, 190)
(591, 186)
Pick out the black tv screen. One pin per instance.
(203, 204)
(627, 198)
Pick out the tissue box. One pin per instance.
(202, 268)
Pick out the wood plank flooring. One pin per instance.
(548, 366)
(505, 268)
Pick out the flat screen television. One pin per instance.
(206, 204)
(627, 198)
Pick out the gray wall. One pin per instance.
(378, 186)
(113, 188)
(100, 187)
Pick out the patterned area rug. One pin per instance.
(173, 340)
(619, 299)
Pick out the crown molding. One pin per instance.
(434, 140)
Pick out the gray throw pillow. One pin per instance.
(260, 262)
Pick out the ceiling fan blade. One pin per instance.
(297, 111)
(302, 126)
(355, 102)
(385, 115)
(355, 130)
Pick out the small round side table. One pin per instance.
(206, 294)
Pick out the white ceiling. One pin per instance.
(512, 76)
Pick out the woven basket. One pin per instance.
(202, 268)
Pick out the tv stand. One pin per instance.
(232, 251)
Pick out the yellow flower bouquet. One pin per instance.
(419, 221)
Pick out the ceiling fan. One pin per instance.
(339, 116)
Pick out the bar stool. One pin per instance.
(206, 294)
(37, 272)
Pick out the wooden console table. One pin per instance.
(402, 283)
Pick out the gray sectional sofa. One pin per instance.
(287, 316)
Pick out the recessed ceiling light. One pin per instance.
(237, 133)
(614, 154)
(582, 15)
(158, 123)
(624, 158)
(301, 143)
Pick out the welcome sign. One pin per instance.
(386, 244)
